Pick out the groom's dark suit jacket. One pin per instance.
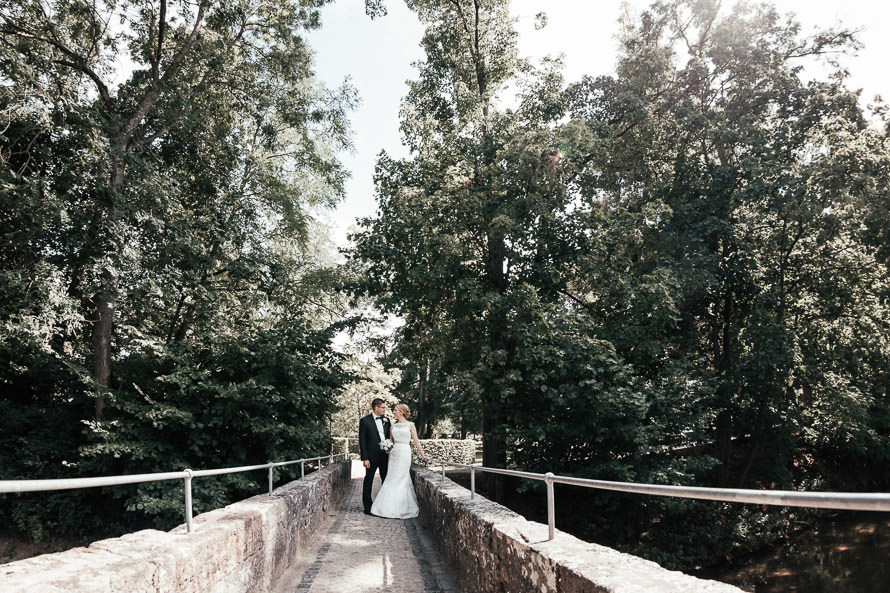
(369, 439)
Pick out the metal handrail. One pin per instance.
(848, 501)
(19, 486)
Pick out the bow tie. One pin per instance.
(379, 417)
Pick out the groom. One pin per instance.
(372, 429)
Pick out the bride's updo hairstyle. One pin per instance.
(405, 410)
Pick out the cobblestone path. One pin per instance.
(358, 553)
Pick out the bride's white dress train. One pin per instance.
(396, 499)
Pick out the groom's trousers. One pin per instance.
(382, 465)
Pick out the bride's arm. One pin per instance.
(416, 440)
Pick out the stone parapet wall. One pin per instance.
(246, 546)
(491, 549)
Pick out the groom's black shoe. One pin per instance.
(367, 512)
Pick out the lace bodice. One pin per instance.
(401, 433)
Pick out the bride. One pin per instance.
(396, 499)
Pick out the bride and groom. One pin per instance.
(395, 499)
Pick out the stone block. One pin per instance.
(79, 569)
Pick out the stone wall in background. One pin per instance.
(491, 549)
(456, 450)
(246, 546)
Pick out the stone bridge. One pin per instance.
(312, 536)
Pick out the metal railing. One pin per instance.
(19, 486)
(822, 500)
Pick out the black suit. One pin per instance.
(369, 446)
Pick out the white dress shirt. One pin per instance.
(379, 423)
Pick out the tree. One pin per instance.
(727, 188)
(475, 244)
(160, 261)
(741, 161)
(186, 61)
(371, 380)
(662, 275)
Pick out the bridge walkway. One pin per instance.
(359, 553)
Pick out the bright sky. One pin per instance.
(377, 56)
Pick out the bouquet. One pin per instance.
(386, 445)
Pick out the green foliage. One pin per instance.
(228, 401)
(677, 274)
(163, 226)
(369, 381)
(581, 411)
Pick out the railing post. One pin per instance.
(188, 500)
(551, 506)
(302, 468)
(472, 483)
(443, 471)
(271, 476)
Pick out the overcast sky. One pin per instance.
(377, 56)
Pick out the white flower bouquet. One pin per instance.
(386, 445)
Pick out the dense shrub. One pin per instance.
(456, 450)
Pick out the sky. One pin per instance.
(377, 56)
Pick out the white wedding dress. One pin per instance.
(396, 499)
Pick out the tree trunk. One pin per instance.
(186, 323)
(725, 363)
(421, 398)
(102, 349)
(494, 453)
(494, 447)
(724, 444)
(104, 324)
(756, 449)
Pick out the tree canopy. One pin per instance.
(671, 274)
(166, 297)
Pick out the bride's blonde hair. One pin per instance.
(405, 410)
